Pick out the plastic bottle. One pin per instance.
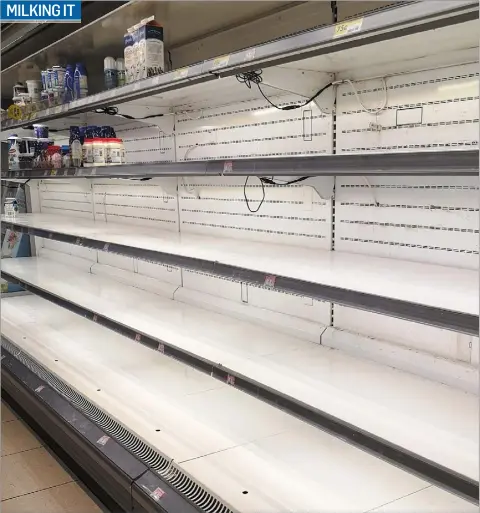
(55, 154)
(80, 81)
(88, 153)
(99, 151)
(110, 72)
(120, 72)
(58, 76)
(115, 149)
(123, 160)
(68, 84)
(76, 153)
(66, 161)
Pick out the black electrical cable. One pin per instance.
(247, 202)
(255, 77)
(113, 111)
(269, 181)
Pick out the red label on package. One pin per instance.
(230, 380)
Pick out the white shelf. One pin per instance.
(442, 421)
(431, 285)
(227, 440)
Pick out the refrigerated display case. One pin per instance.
(267, 308)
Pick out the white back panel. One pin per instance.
(253, 129)
(148, 141)
(293, 215)
(134, 202)
(425, 219)
(289, 304)
(66, 198)
(427, 110)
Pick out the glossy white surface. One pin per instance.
(432, 285)
(427, 418)
(227, 440)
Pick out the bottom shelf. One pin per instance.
(378, 400)
(251, 455)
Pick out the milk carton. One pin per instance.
(135, 52)
(150, 49)
(128, 55)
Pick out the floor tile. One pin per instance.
(30, 471)
(67, 498)
(16, 437)
(7, 413)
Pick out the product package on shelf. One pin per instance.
(150, 49)
(144, 51)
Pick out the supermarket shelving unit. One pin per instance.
(331, 333)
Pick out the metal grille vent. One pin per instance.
(164, 466)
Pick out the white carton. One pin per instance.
(150, 56)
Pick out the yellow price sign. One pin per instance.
(347, 27)
(220, 62)
(181, 73)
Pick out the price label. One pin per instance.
(270, 281)
(347, 27)
(249, 55)
(161, 348)
(103, 440)
(95, 318)
(138, 337)
(228, 166)
(39, 389)
(157, 494)
(181, 73)
(106, 246)
(53, 172)
(230, 380)
(220, 62)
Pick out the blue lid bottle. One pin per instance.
(68, 84)
(80, 81)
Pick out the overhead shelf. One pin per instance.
(456, 162)
(390, 28)
(443, 297)
(238, 447)
(363, 402)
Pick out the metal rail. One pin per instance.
(434, 316)
(454, 162)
